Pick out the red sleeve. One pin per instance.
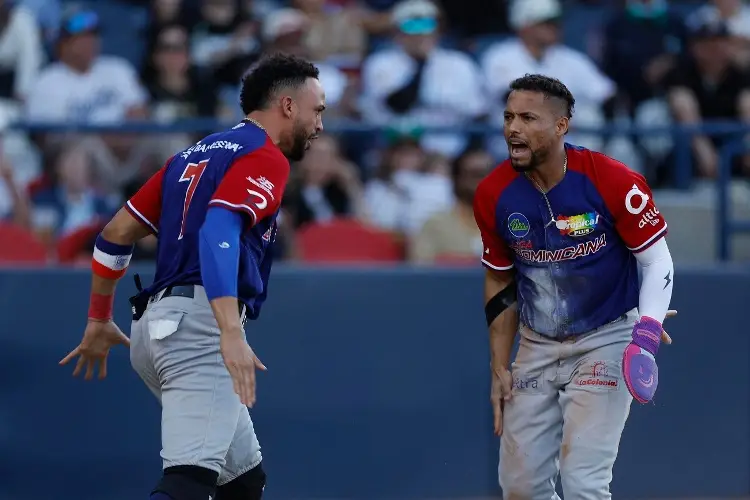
(631, 203)
(254, 184)
(496, 254)
(145, 205)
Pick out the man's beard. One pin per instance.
(297, 149)
(535, 159)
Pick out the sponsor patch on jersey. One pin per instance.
(577, 225)
(518, 225)
(650, 218)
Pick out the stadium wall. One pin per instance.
(377, 388)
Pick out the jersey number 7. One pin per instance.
(192, 175)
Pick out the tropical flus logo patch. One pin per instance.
(518, 225)
(577, 225)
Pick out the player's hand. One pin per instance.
(502, 382)
(98, 338)
(241, 362)
(665, 338)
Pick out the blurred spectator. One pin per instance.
(709, 85)
(736, 15)
(21, 51)
(84, 86)
(639, 69)
(327, 186)
(537, 49)
(453, 234)
(407, 189)
(335, 33)
(176, 88)
(70, 202)
(164, 13)
(286, 31)
(224, 41)
(419, 83)
(21, 59)
(14, 203)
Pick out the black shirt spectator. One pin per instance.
(638, 68)
(177, 88)
(708, 85)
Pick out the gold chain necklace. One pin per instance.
(255, 122)
(565, 169)
(544, 194)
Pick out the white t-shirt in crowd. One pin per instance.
(451, 93)
(102, 95)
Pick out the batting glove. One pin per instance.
(639, 364)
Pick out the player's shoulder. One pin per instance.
(265, 154)
(603, 170)
(497, 181)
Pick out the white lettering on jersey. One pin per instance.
(643, 197)
(263, 184)
(202, 148)
(262, 203)
(651, 217)
(568, 253)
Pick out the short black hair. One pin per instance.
(548, 86)
(271, 74)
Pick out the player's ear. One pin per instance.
(563, 123)
(287, 106)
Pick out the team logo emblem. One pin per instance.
(577, 225)
(518, 225)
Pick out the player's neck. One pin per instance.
(266, 123)
(550, 173)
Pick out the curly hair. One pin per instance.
(548, 86)
(270, 75)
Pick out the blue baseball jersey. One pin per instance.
(575, 267)
(239, 170)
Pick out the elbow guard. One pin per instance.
(500, 302)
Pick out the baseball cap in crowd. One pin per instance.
(283, 22)
(705, 29)
(79, 22)
(525, 13)
(416, 17)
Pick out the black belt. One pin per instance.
(187, 291)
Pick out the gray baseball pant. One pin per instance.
(175, 350)
(567, 412)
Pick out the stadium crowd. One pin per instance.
(403, 66)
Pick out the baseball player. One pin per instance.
(213, 207)
(564, 230)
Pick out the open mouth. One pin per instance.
(518, 149)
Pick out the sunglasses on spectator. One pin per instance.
(171, 47)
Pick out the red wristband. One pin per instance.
(100, 306)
